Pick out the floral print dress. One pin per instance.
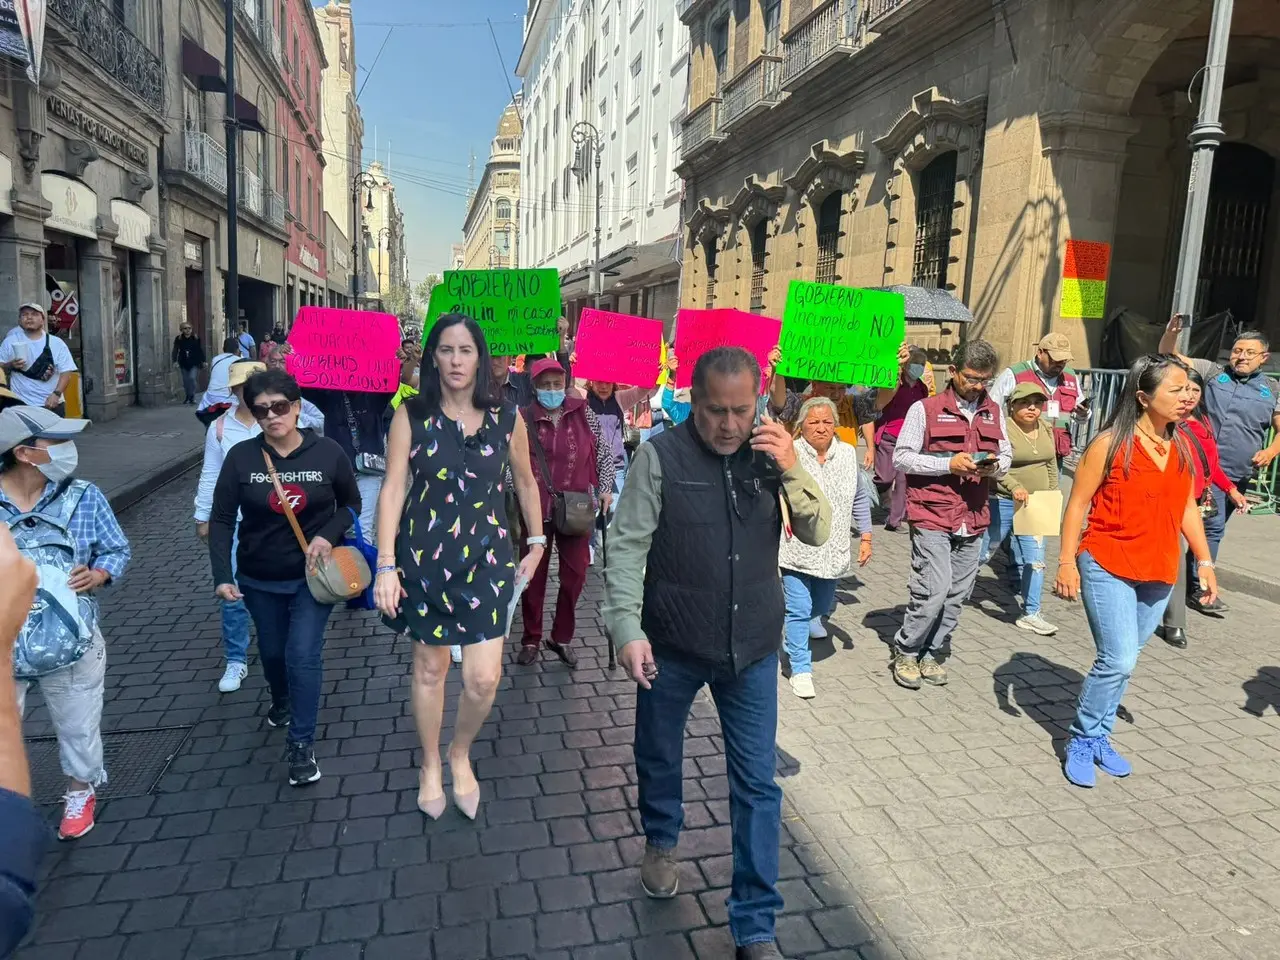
(453, 550)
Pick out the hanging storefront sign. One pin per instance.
(29, 16)
(134, 224)
(12, 42)
(75, 205)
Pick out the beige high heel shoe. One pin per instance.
(432, 808)
(468, 803)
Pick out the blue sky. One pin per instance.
(435, 94)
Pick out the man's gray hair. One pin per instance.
(978, 355)
(724, 362)
(1253, 335)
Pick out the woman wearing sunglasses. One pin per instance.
(320, 486)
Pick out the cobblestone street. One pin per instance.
(927, 825)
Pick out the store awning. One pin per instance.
(202, 67)
(247, 116)
(635, 264)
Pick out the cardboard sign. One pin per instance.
(345, 350)
(618, 348)
(516, 309)
(698, 331)
(1085, 267)
(842, 334)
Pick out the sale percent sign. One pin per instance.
(618, 348)
(345, 350)
(842, 335)
(698, 331)
(516, 309)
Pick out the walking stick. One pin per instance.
(604, 551)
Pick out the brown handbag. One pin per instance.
(342, 575)
(572, 513)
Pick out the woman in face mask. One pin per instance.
(914, 383)
(569, 456)
(71, 534)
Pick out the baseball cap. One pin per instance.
(1027, 390)
(242, 370)
(24, 423)
(545, 365)
(1058, 346)
(5, 392)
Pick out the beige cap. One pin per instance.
(242, 370)
(1057, 346)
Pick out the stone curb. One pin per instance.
(135, 490)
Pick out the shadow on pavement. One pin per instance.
(1045, 691)
(1262, 691)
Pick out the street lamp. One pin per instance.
(368, 181)
(587, 137)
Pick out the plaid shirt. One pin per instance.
(100, 543)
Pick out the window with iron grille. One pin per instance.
(709, 258)
(829, 236)
(759, 242)
(935, 199)
(1235, 233)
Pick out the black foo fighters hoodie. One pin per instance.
(321, 485)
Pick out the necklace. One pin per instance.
(1161, 449)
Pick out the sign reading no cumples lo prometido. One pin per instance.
(842, 334)
(516, 309)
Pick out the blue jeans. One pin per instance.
(235, 617)
(291, 644)
(807, 597)
(748, 706)
(1028, 553)
(1215, 528)
(1122, 616)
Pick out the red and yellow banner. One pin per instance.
(1085, 269)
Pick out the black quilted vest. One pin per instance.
(712, 591)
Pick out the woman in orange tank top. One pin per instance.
(1135, 481)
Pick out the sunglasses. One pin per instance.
(261, 411)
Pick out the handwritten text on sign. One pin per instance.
(698, 331)
(842, 334)
(618, 348)
(516, 309)
(345, 350)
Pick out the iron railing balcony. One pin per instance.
(251, 196)
(702, 128)
(275, 208)
(106, 40)
(206, 159)
(827, 35)
(753, 91)
(881, 8)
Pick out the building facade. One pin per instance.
(79, 209)
(622, 67)
(342, 132)
(195, 175)
(385, 260)
(963, 146)
(490, 230)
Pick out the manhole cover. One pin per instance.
(135, 759)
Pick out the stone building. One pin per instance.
(490, 229)
(342, 129)
(195, 175)
(959, 145)
(384, 259)
(79, 212)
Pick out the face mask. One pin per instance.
(551, 399)
(63, 459)
(915, 371)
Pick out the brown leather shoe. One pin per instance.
(528, 653)
(565, 653)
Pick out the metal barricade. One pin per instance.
(1102, 387)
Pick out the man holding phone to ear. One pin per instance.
(951, 447)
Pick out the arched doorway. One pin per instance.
(1235, 234)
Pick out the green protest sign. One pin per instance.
(516, 309)
(842, 334)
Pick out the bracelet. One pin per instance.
(390, 568)
(1205, 563)
(539, 541)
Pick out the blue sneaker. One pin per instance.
(1110, 761)
(1078, 766)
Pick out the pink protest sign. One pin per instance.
(698, 331)
(345, 350)
(618, 348)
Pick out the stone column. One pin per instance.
(22, 255)
(152, 331)
(97, 331)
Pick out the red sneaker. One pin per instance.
(77, 814)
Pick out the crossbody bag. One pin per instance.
(572, 513)
(1206, 502)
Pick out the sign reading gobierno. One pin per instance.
(516, 309)
(618, 348)
(842, 334)
(344, 350)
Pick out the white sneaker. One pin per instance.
(232, 677)
(802, 686)
(816, 630)
(592, 552)
(455, 653)
(1036, 624)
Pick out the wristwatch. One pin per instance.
(539, 541)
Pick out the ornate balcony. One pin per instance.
(753, 91)
(275, 208)
(206, 159)
(880, 8)
(108, 42)
(827, 35)
(702, 128)
(251, 196)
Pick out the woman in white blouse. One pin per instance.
(810, 574)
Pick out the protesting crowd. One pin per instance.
(722, 514)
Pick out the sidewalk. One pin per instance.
(140, 450)
(1247, 558)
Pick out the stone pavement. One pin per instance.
(929, 825)
(1247, 557)
(144, 447)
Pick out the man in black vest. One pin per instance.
(693, 599)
